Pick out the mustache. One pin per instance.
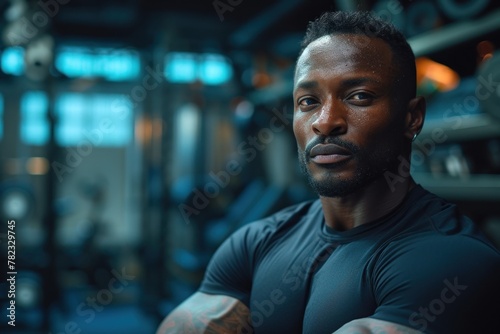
(330, 140)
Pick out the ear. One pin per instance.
(415, 115)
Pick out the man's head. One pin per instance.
(354, 101)
(365, 26)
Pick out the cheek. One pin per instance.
(372, 130)
(384, 140)
(299, 132)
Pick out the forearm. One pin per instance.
(182, 322)
(205, 314)
(374, 326)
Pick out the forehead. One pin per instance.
(348, 52)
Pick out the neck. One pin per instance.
(367, 204)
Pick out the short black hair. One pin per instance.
(365, 23)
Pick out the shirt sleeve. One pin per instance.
(230, 271)
(439, 284)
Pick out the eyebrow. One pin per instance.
(357, 81)
(309, 84)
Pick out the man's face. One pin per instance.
(346, 122)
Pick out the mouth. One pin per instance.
(329, 154)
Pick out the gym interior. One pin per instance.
(136, 135)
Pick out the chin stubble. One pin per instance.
(370, 166)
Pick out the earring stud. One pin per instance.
(414, 136)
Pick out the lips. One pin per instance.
(329, 154)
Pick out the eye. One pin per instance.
(307, 103)
(361, 98)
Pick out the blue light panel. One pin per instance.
(113, 65)
(70, 109)
(209, 68)
(98, 119)
(12, 61)
(34, 122)
(215, 69)
(181, 67)
(101, 119)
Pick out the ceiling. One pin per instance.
(247, 25)
(241, 25)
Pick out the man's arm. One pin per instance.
(206, 314)
(374, 326)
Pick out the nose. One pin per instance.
(330, 121)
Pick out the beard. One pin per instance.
(370, 165)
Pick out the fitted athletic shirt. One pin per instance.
(424, 266)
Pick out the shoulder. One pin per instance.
(440, 239)
(448, 266)
(435, 243)
(429, 219)
(449, 255)
(283, 220)
(231, 269)
(437, 280)
(249, 240)
(254, 240)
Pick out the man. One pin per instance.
(376, 253)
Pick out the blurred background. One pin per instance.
(136, 135)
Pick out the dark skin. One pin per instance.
(349, 92)
(208, 314)
(344, 91)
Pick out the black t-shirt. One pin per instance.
(423, 266)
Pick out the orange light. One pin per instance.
(484, 47)
(484, 50)
(487, 56)
(441, 75)
(261, 79)
(37, 166)
(144, 130)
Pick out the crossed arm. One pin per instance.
(374, 326)
(216, 314)
(208, 314)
